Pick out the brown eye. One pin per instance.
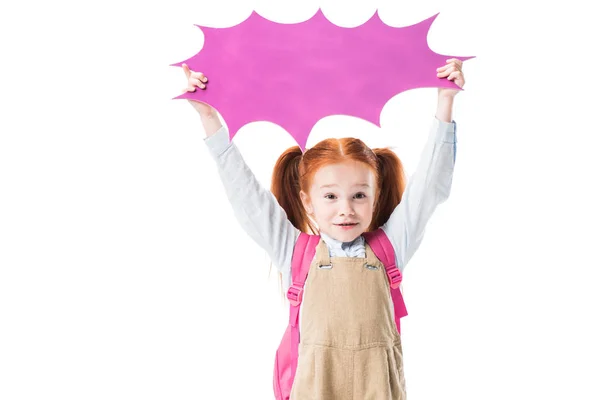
(360, 195)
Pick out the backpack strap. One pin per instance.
(384, 251)
(304, 252)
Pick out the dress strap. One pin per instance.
(322, 255)
(371, 258)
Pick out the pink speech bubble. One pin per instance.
(296, 74)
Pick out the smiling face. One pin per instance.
(341, 199)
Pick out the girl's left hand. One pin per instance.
(453, 72)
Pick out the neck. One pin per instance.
(330, 239)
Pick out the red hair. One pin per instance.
(294, 171)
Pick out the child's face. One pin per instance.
(342, 193)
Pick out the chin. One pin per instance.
(346, 235)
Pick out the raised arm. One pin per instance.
(255, 207)
(430, 185)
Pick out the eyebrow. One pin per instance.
(335, 184)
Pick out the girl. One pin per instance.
(340, 188)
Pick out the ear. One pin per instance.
(306, 202)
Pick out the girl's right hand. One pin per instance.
(208, 115)
(197, 80)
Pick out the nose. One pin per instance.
(346, 207)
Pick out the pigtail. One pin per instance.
(285, 186)
(392, 182)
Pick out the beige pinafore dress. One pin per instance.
(349, 346)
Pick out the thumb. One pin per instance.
(186, 70)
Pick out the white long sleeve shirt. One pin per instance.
(261, 216)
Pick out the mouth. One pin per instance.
(347, 225)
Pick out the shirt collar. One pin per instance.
(338, 244)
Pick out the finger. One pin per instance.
(453, 62)
(200, 76)
(196, 82)
(189, 89)
(186, 70)
(456, 61)
(458, 78)
(453, 75)
(449, 69)
(442, 68)
(442, 72)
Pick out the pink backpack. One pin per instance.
(286, 359)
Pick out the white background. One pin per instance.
(124, 275)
